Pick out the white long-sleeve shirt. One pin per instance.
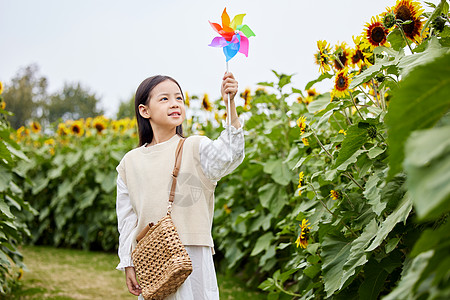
(218, 158)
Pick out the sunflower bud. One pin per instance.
(380, 78)
(372, 132)
(438, 23)
(389, 20)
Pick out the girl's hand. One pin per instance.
(229, 86)
(133, 286)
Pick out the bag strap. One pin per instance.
(176, 169)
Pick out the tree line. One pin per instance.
(27, 97)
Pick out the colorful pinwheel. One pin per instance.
(234, 35)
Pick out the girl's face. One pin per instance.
(165, 109)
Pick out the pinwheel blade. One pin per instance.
(243, 45)
(247, 31)
(237, 20)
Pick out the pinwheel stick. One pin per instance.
(228, 116)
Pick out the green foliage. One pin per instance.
(352, 203)
(12, 205)
(72, 181)
(420, 102)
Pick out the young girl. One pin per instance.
(144, 178)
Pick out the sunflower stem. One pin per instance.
(368, 97)
(348, 200)
(321, 145)
(375, 91)
(345, 114)
(339, 124)
(353, 179)
(354, 104)
(324, 205)
(400, 26)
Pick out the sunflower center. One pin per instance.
(76, 129)
(99, 127)
(404, 14)
(357, 57)
(341, 83)
(377, 34)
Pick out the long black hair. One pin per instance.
(143, 97)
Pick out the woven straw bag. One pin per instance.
(161, 262)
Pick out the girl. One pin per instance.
(144, 178)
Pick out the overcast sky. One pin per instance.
(111, 46)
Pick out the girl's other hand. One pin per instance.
(133, 286)
(229, 86)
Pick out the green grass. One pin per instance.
(55, 273)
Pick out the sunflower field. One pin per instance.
(342, 194)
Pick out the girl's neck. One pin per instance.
(160, 136)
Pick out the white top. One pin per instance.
(218, 158)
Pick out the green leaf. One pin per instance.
(266, 193)
(319, 79)
(410, 276)
(355, 138)
(281, 174)
(433, 51)
(88, 198)
(437, 11)
(312, 271)
(335, 251)
(400, 214)
(391, 244)
(432, 239)
(262, 243)
(372, 193)
(371, 71)
(396, 39)
(358, 256)
(320, 103)
(419, 103)
(373, 284)
(427, 165)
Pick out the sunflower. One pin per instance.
(357, 55)
(99, 123)
(300, 182)
(407, 10)
(375, 33)
(1, 87)
(302, 240)
(312, 92)
(341, 56)
(62, 129)
(2, 104)
(50, 142)
(246, 96)
(22, 132)
(206, 104)
(301, 123)
(322, 57)
(20, 275)
(335, 195)
(341, 84)
(227, 209)
(35, 127)
(77, 128)
(342, 131)
(305, 141)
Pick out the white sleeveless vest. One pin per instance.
(147, 173)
